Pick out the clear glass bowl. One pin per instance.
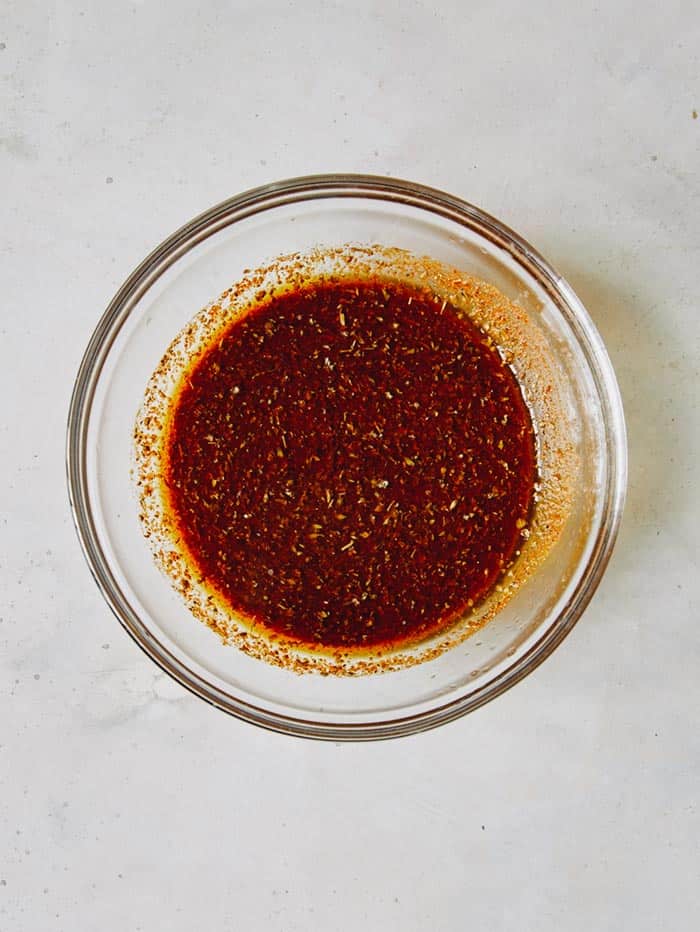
(194, 266)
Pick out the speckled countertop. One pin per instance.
(572, 801)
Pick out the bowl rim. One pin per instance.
(323, 186)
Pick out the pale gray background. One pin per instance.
(572, 802)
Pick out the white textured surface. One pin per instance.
(571, 802)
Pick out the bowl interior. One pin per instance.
(164, 295)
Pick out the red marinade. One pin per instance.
(352, 464)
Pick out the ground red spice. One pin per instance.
(351, 464)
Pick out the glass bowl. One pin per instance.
(194, 266)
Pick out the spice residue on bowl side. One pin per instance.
(336, 463)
